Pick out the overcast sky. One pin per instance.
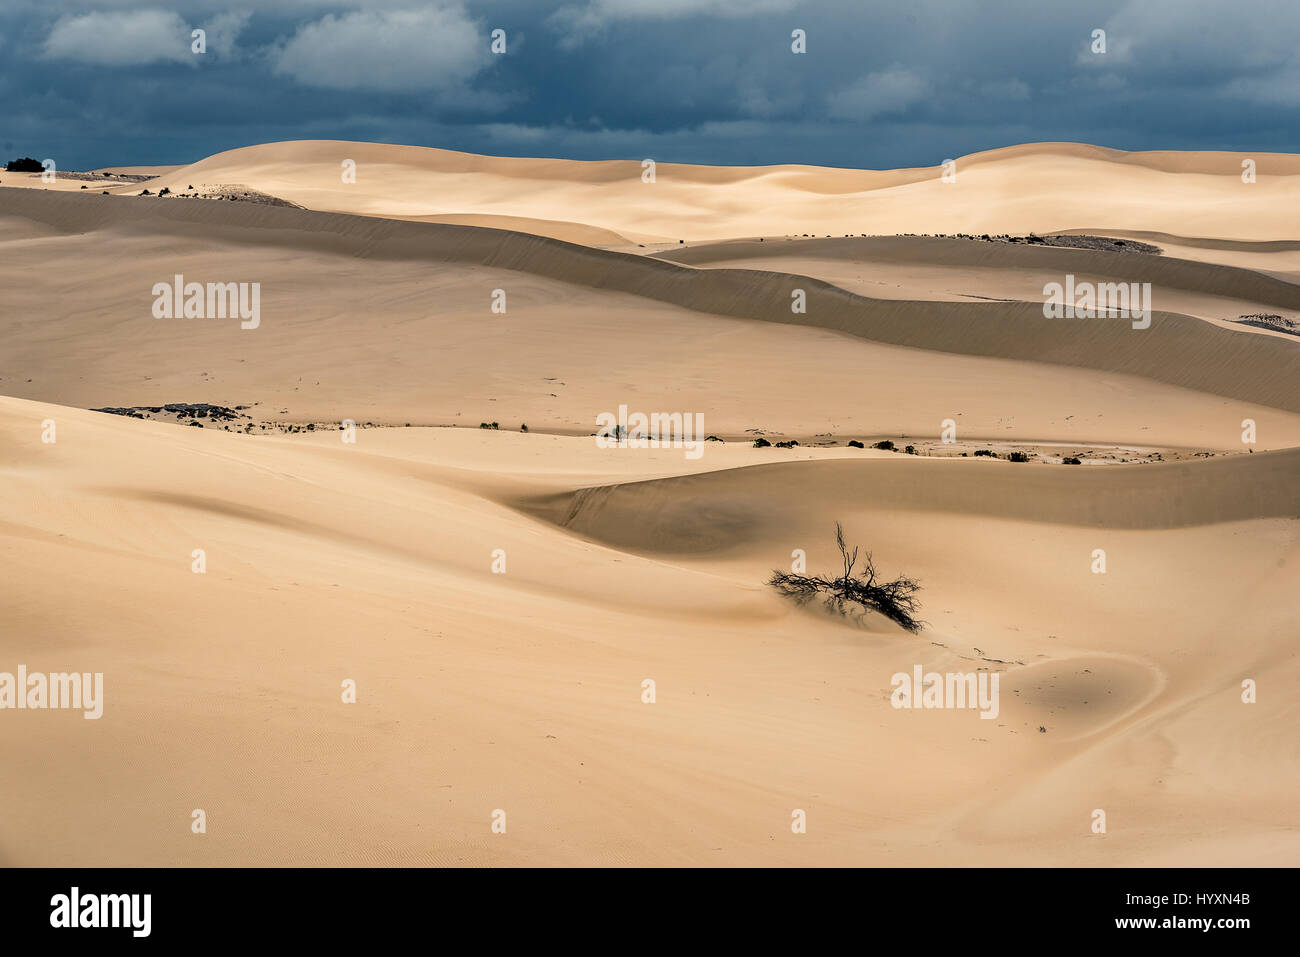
(904, 83)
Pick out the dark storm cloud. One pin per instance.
(710, 81)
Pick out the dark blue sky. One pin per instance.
(905, 83)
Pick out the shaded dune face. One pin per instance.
(1162, 271)
(737, 508)
(1176, 350)
(1080, 696)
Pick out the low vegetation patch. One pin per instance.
(896, 599)
(182, 410)
(1268, 320)
(1105, 243)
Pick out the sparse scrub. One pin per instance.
(1269, 320)
(896, 600)
(762, 443)
(1018, 457)
(885, 444)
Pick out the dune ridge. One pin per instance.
(1177, 350)
(734, 507)
(1167, 271)
(1035, 187)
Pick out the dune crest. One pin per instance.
(1035, 187)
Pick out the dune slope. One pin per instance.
(501, 599)
(521, 691)
(1176, 350)
(1039, 187)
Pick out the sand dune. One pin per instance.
(569, 232)
(139, 170)
(1176, 350)
(1164, 272)
(1240, 278)
(1036, 187)
(519, 687)
(521, 691)
(1040, 187)
(683, 515)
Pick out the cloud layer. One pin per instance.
(432, 49)
(715, 81)
(116, 39)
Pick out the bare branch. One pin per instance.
(895, 600)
